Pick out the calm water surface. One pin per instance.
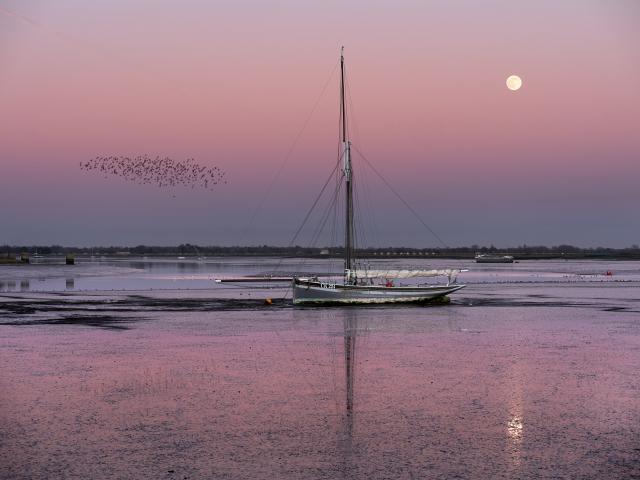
(533, 371)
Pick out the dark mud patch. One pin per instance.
(109, 322)
(117, 313)
(514, 302)
(548, 302)
(199, 305)
(114, 314)
(17, 309)
(616, 309)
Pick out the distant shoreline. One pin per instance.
(8, 253)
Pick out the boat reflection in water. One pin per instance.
(350, 335)
(346, 399)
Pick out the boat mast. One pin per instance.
(346, 157)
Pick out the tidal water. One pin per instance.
(145, 368)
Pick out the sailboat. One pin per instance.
(357, 285)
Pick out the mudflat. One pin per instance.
(530, 372)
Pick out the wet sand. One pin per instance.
(509, 381)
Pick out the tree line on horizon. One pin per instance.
(187, 249)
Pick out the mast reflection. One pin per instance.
(350, 326)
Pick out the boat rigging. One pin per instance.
(357, 285)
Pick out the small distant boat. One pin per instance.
(493, 258)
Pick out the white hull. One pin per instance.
(314, 292)
(310, 290)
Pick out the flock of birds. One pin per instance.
(162, 172)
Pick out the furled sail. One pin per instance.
(449, 272)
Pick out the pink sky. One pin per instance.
(231, 84)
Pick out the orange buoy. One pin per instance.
(268, 301)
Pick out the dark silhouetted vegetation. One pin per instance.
(189, 250)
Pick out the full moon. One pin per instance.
(514, 82)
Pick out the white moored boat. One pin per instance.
(358, 285)
(313, 291)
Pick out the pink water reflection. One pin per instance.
(475, 393)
